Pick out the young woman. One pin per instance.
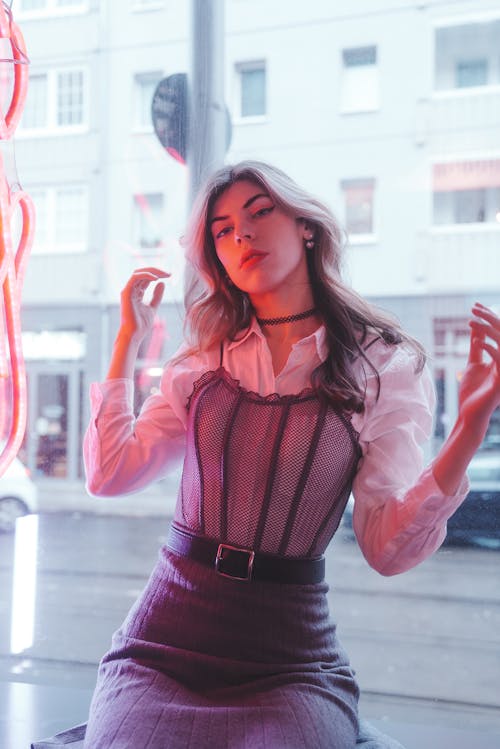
(289, 391)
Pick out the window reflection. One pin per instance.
(402, 142)
(467, 54)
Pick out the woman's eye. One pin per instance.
(264, 211)
(222, 232)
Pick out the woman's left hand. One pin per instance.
(479, 392)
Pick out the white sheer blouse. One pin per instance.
(400, 512)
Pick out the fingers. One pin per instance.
(140, 280)
(144, 276)
(485, 324)
(476, 348)
(486, 313)
(157, 295)
(151, 271)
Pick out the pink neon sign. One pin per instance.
(13, 258)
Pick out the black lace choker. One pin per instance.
(289, 318)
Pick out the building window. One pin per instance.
(35, 116)
(466, 192)
(144, 88)
(147, 4)
(148, 212)
(61, 219)
(466, 55)
(469, 73)
(56, 101)
(451, 347)
(358, 202)
(33, 5)
(360, 80)
(42, 234)
(70, 98)
(51, 7)
(251, 89)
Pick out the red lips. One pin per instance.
(250, 255)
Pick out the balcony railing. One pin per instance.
(458, 110)
(460, 258)
(52, 279)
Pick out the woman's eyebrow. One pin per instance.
(246, 205)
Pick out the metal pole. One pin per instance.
(207, 132)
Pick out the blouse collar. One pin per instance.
(316, 339)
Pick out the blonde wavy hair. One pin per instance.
(217, 310)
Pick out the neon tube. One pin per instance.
(13, 260)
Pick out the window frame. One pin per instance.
(76, 248)
(239, 68)
(139, 7)
(51, 127)
(372, 106)
(138, 127)
(136, 240)
(446, 22)
(52, 10)
(359, 238)
(454, 159)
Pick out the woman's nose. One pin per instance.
(243, 233)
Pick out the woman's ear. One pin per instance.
(308, 234)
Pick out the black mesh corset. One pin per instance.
(272, 473)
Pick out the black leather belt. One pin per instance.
(245, 564)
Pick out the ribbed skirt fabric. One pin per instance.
(205, 662)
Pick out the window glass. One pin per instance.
(148, 220)
(70, 98)
(253, 90)
(33, 4)
(471, 73)
(467, 192)
(360, 80)
(40, 198)
(62, 219)
(147, 4)
(45, 7)
(56, 100)
(144, 88)
(387, 112)
(358, 196)
(71, 218)
(35, 113)
(467, 54)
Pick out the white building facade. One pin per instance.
(389, 111)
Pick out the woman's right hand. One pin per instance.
(136, 317)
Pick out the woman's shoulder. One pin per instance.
(394, 374)
(390, 357)
(185, 367)
(188, 359)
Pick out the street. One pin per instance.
(432, 634)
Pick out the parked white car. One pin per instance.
(18, 495)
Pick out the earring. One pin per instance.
(309, 237)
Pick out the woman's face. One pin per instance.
(260, 246)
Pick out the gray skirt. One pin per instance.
(203, 661)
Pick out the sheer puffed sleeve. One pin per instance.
(122, 453)
(400, 512)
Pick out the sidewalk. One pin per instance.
(157, 500)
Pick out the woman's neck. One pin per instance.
(282, 305)
(272, 309)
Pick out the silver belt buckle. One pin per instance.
(222, 555)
